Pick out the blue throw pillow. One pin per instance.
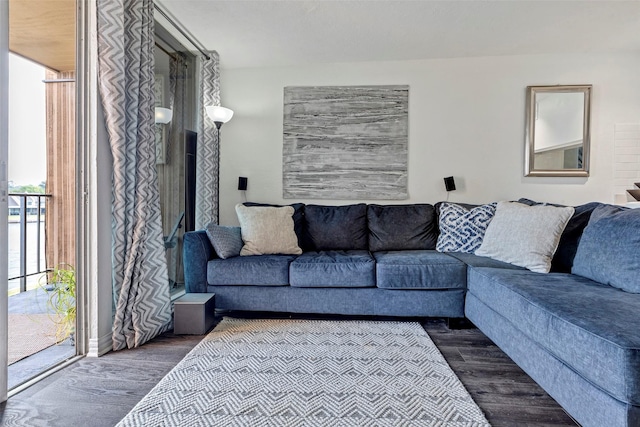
(226, 241)
(609, 248)
(461, 229)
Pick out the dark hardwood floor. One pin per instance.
(504, 392)
(100, 391)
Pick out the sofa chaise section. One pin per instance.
(576, 334)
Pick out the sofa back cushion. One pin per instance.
(563, 258)
(335, 227)
(401, 227)
(609, 250)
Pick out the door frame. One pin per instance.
(4, 154)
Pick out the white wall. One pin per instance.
(466, 119)
(626, 168)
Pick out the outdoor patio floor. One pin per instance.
(28, 311)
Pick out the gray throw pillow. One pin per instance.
(267, 230)
(226, 241)
(526, 236)
(609, 248)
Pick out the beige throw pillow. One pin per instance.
(526, 236)
(267, 230)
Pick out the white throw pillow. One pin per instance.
(267, 230)
(526, 236)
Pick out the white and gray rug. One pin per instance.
(310, 373)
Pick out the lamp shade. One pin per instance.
(163, 115)
(219, 114)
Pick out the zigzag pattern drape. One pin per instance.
(208, 151)
(126, 74)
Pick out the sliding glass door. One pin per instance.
(38, 188)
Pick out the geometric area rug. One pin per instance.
(283, 372)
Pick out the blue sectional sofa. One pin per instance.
(576, 334)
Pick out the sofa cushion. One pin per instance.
(482, 261)
(333, 269)
(401, 227)
(226, 241)
(298, 216)
(419, 270)
(593, 328)
(462, 229)
(609, 251)
(267, 230)
(523, 235)
(563, 258)
(335, 227)
(260, 270)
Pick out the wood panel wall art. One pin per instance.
(345, 142)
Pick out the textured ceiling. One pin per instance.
(277, 33)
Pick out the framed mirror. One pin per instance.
(557, 130)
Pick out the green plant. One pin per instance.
(60, 285)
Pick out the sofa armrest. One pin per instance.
(196, 252)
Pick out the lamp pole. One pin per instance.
(219, 115)
(218, 125)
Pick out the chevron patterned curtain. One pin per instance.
(207, 186)
(126, 78)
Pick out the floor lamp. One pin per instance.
(220, 116)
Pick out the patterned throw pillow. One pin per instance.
(461, 229)
(226, 241)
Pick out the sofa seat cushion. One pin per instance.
(482, 261)
(257, 270)
(591, 327)
(419, 270)
(333, 269)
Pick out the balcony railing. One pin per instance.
(28, 208)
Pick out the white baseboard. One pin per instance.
(100, 346)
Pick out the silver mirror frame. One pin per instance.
(530, 169)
